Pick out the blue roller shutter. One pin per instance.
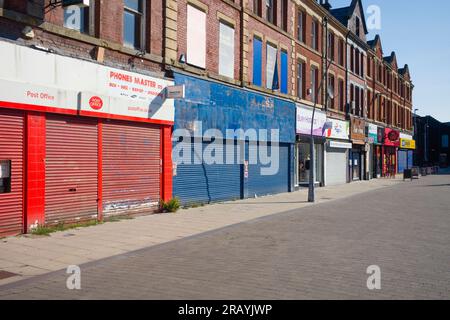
(261, 185)
(402, 160)
(410, 159)
(197, 183)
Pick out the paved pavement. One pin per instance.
(316, 252)
(30, 256)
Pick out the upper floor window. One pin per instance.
(301, 26)
(271, 11)
(226, 50)
(314, 84)
(362, 65)
(77, 18)
(133, 23)
(300, 79)
(257, 61)
(358, 23)
(331, 46)
(284, 15)
(341, 95)
(257, 7)
(196, 37)
(331, 85)
(341, 52)
(357, 61)
(271, 70)
(315, 35)
(369, 69)
(352, 59)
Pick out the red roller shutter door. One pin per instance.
(71, 169)
(131, 167)
(11, 149)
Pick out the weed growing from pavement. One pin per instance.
(43, 230)
(170, 206)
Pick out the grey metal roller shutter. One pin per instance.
(336, 171)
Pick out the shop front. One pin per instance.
(303, 163)
(378, 154)
(372, 140)
(405, 152)
(357, 157)
(390, 147)
(79, 141)
(230, 143)
(338, 147)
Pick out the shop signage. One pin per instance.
(46, 80)
(304, 116)
(407, 144)
(372, 133)
(380, 135)
(339, 129)
(391, 137)
(406, 136)
(339, 145)
(358, 129)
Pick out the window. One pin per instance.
(77, 18)
(196, 37)
(257, 7)
(257, 61)
(300, 79)
(301, 26)
(284, 15)
(331, 46)
(362, 65)
(226, 50)
(332, 89)
(352, 59)
(352, 99)
(341, 52)
(341, 96)
(357, 61)
(369, 104)
(271, 67)
(314, 35)
(357, 102)
(5, 176)
(133, 23)
(284, 72)
(314, 83)
(369, 70)
(362, 103)
(358, 23)
(271, 11)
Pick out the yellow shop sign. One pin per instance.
(407, 144)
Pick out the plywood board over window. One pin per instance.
(271, 61)
(226, 50)
(196, 37)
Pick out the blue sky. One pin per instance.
(419, 32)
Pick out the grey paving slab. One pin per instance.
(312, 252)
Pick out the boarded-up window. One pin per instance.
(226, 51)
(284, 72)
(270, 67)
(196, 37)
(257, 61)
